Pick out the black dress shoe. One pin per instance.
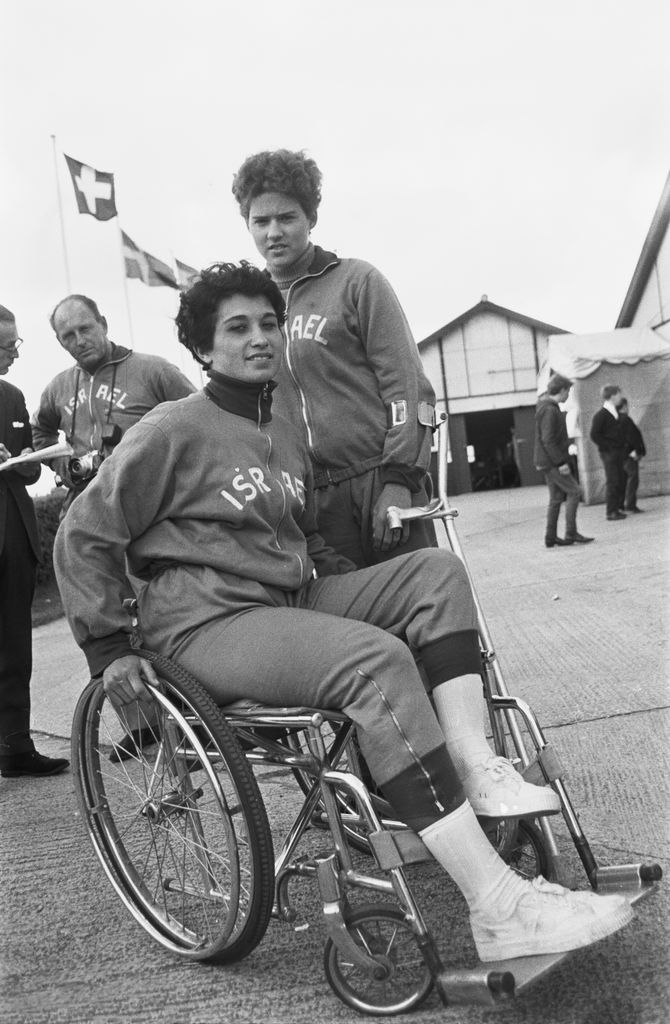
(578, 538)
(133, 743)
(31, 763)
(615, 516)
(635, 509)
(549, 542)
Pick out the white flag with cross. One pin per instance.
(94, 190)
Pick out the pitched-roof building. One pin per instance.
(484, 366)
(647, 301)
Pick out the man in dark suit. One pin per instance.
(607, 433)
(19, 554)
(633, 451)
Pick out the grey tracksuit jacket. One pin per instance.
(210, 502)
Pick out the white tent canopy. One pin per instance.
(579, 355)
(637, 360)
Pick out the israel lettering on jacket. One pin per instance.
(308, 328)
(118, 398)
(248, 484)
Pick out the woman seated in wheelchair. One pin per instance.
(207, 503)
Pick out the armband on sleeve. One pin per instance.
(426, 415)
(398, 414)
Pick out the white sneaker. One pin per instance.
(547, 919)
(496, 790)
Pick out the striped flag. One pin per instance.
(186, 276)
(146, 267)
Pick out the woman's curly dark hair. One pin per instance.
(199, 306)
(290, 174)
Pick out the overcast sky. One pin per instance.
(513, 149)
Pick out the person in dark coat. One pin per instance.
(19, 554)
(607, 433)
(633, 451)
(552, 457)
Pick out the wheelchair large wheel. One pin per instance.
(400, 981)
(175, 816)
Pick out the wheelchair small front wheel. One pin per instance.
(527, 855)
(521, 844)
(400, 982)
(175, 816)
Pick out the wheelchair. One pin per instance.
(178, 822)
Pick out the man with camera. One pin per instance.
(95, 401)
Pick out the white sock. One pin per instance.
(458, 843)
(458, 705)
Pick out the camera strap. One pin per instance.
(110, 403)
(70, 439)
(111, 393)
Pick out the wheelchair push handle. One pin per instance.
(437, 508)
(395, 516)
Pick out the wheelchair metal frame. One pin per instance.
(392, 845)
(543, 765)
(318, 747)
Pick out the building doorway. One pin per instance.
(491, 448)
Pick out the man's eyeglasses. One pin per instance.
(14, 347)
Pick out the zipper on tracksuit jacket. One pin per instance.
(281, 485)
(303, 403)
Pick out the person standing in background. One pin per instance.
(552, 458)
(95, 401)
(633, 451)
(607, 434)
(19, 555)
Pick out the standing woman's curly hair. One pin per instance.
(283, 171)
(199, 306)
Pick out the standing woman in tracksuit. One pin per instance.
(227, 525)
(352, 376)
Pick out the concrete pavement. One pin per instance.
(581, 633)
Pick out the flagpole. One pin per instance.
(125, 284)
(62, 221)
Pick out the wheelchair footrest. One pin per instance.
(482, 987)
(545, 766)
(634, 881)
(393, 849)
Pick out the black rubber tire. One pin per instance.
(382, 931)
(179, 825)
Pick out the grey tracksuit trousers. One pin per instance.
(340, 642)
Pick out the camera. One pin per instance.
(84, 467)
